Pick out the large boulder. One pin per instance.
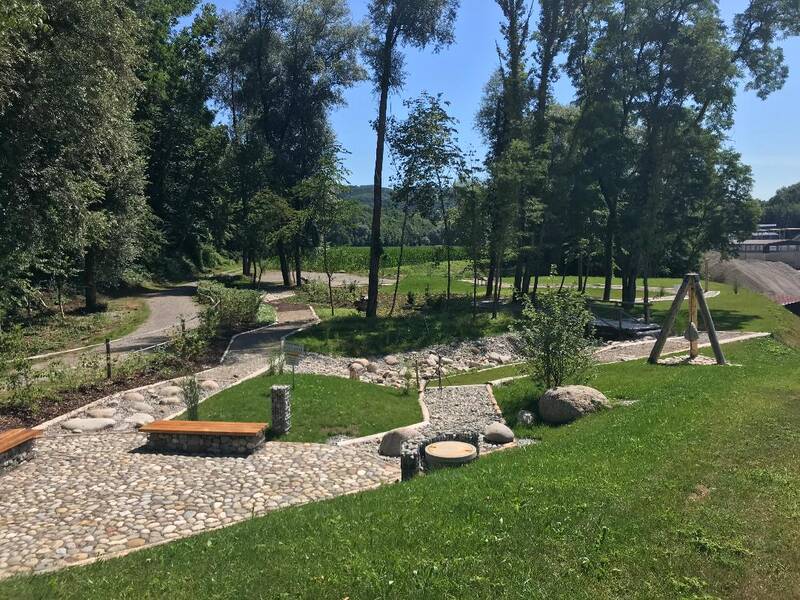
(87, 425)
(101, 413)
(133, 397)
(209, 385)
(392, 442)
(565, 404)
(139, 419)
(391, 360)
(498, 433)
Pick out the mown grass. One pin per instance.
(609, 507)
(321, 406)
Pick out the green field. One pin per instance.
(322, 407)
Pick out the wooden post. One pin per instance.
(694, 349)
(670, 321)
(712, 331)
(108, 358)
(183, 326)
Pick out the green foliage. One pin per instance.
(232, 308)
(783, 208)
(191, 395)
(552, 336)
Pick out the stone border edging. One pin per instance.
(80, 409)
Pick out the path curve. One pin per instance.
(167, 307)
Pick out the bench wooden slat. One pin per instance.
(205, 428)
(14, 437)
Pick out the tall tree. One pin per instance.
(394, 24)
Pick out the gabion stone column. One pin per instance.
(281, 409)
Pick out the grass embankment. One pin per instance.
(48, 333)
(321, 406)
(692, 492)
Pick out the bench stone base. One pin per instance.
(16, 456)
(216, 445)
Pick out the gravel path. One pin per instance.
(166, 309)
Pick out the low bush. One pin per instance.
(234, 308)
(552, 336)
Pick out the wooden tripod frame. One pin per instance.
(691, 283)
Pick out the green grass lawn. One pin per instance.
(321, 406)
(609, 507)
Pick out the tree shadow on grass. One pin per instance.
(359, 336)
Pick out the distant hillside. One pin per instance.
(363, 194)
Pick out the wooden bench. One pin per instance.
(205, 437)
(15, 445)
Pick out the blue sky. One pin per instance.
(766, 132)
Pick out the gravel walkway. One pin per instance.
(166, 309)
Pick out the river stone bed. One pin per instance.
(389, 370)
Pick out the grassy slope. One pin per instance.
(122, 317)
(602, 509)
(321, 406)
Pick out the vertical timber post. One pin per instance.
(108, 358)
(712, 331)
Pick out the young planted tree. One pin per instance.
(328, 210)
(429, 162)
(394, 24)
(554, 338)
(472, 228)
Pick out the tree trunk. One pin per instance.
(284, 262)
(446, 242)
(490, 278)
(298, 269)
(376, 247)
(498, 286)
(89, 279)
(399, 260)
(328, 273)
(608, 251)
(59, 292)
(474, 286)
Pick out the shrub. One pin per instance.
(234, 308)
(191, 395)
(553, 337)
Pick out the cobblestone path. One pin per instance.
(88, 496)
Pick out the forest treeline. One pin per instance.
(148, 136)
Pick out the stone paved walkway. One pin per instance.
(84, 497)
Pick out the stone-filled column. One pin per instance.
(281, 409)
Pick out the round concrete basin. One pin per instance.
(449, 454)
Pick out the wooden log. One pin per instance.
(694, 347)
(712, 331)
(670, 320)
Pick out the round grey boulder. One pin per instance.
(565, 404)
(171, 401)
(526, 418)
(372, 367)
(133, 397)
(209, 385)
(101, 413)
(139, 419)
(87, 425)
(170, 390)
(498, 433)
(141, 407)
(392, 442)
(391, 360)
